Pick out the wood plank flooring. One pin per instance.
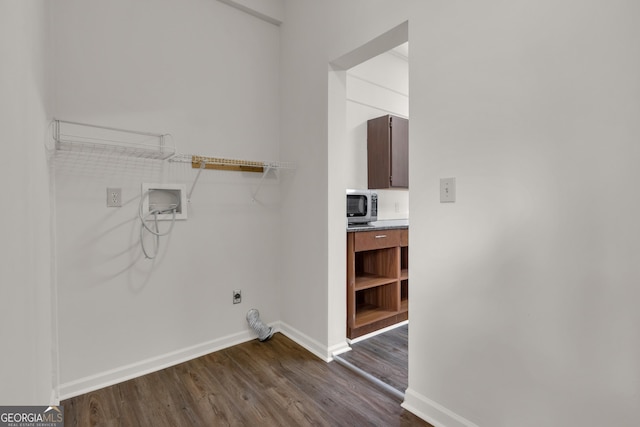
(273, 383)
(385, 356)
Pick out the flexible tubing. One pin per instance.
(143, 220)
(264, 331)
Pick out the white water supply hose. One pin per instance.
(264, 331)
(156, 233)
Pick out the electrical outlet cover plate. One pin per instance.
(114, 197)
(237, 297)
(162, 196)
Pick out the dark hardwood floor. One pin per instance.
(385, 356)
(273, 383)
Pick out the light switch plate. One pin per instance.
(447, 190)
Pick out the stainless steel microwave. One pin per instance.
(362, 206)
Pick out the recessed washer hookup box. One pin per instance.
(163, 198)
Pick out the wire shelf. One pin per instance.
(229, 164)
(101, 140)
(204, 162)
(79, 148)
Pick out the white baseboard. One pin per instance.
(433, 412)
(323, 352)
(54, 400)
(337, 349)
(143, 367)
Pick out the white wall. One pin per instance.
(376, 87)
(25, 287)
(304, 245)
(208, 74)
(313, 247)
(524, 292)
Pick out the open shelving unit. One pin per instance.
(377, 280)
(404, 277)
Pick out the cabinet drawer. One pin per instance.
(369, 240)
(404, 237)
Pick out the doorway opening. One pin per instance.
(369, 82)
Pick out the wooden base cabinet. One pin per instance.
(377, 280)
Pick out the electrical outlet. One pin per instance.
(114, 197)
(237, 296)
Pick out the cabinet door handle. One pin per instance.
(381, 236)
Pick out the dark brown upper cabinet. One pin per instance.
(388, 152)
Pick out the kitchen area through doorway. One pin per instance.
(377, 234)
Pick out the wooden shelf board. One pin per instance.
(404, 274)
(358, 331)
(367, 281)
(366, 314)
(228, 167)
(404, 305)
